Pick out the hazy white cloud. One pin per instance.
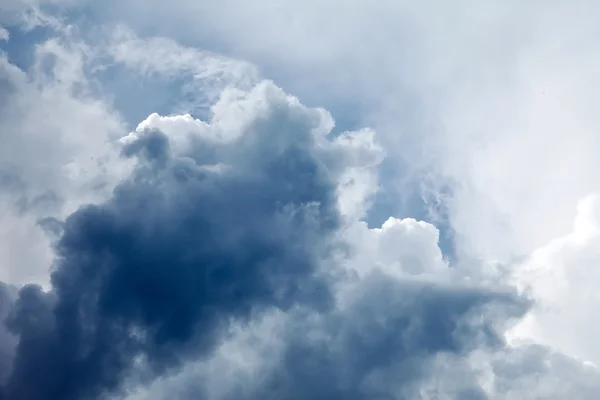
(55, 140)
(205, 74)
(521, 141)
(562, 277)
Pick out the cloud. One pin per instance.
(59, 124)
(8, 341)
(395, 332)
(202, 74)
(384, 343)
(56, 147)
(223, 249)
(4, 35)
(561, 277)
(180, 248)
(536, 372)
(492, 100)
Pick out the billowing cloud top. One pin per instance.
(177, 226)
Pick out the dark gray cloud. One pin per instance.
(159, 269)
(7, 340)
(384, 343)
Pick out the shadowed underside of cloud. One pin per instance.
(385, 342)
(7, 340)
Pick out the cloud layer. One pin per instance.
(222, 248)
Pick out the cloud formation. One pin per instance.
(221, 248)
(385, 342)
(493, 100)
(562, 276)
(237, 222)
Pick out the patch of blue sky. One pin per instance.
(20, 47)
(137, 96)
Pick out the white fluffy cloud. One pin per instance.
(401, 247)
(562, 277)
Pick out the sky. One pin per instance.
(299, 200)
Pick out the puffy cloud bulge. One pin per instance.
(220, 248)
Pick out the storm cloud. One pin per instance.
(226, 248)
(386, 341)
(181, 248)
(217, 224)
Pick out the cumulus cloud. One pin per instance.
(181, 247)
(384, 342)
(395, 332)
(221, 248)
(562, 276)
(59, 125)
(494, 100)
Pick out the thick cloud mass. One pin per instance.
(226, 247)
(183, 245)
(385, 341)
(221, 222)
